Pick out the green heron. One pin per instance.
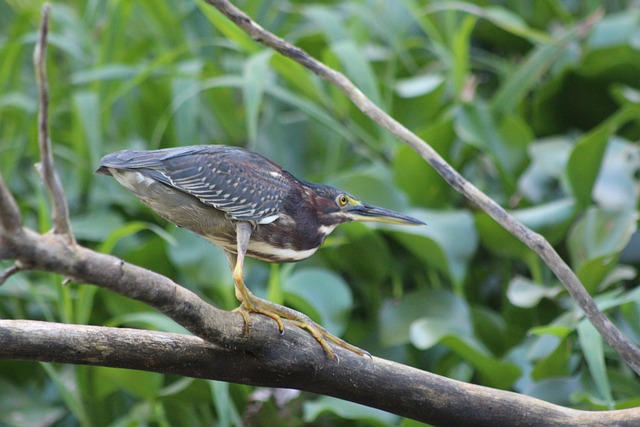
(247, 205)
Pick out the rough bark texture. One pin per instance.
(295, 361)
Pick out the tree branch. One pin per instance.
(625, 348)
(59, 207)
(10, 220)
(379, 383)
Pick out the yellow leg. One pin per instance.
(249, 303)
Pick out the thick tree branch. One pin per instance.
(627, 350)
(379, 383)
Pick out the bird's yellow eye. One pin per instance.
(343, 200)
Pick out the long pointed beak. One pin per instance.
(368, 213)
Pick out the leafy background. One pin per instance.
(536, 103)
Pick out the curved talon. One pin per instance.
(245, 315)
(317, 335)
(321, 335)
(279, 312)
(245, 311)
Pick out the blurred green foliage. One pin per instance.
(537, 103)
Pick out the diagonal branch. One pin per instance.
(60, 209)
(627, 350)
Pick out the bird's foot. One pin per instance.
(278, 312)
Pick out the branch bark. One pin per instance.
(59, 207)
(612, 335)
(379, 383)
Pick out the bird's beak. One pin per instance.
(368, 213)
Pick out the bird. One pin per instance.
(247, 205)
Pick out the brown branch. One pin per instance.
(53, 253)
(379, 383)
(60, 209)
(10, 220)
(625, 348)
(15, 268)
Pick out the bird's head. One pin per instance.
(336, 206)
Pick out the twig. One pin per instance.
(627, 350)
(10, 220)
(60, 209)
(9, 272)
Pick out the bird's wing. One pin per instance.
(241, 183)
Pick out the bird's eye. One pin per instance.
(343, 200)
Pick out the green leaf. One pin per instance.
(556, 390)
(203, 265)
(498, 240)
(418, 85)
(615, 187)
(96, 225)
(20, 408)
(424, 186)
(447, 242)
(357, 68)
(555, 364)
(64, 386)
(225, 407)
(587, 155)
(346, 410)
(547, 219)
(593, 351)
(596, 240)
(352, 56)
(256, 75)
(555, 330)
(450, 324)
(88, 138)
(545, 173)
(397, 316)
(310, 108)
(614, 29)
(229, 29)
(584, 163)
(325, 292)
(139, 384)
(526, 293)
(431, 317)
(186, 110)
(476, 125)
(460, 47)
(360, 251)
(518, 83)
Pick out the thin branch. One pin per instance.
(15, 268)
(10, 220)
(627, 350)
(378, 383)
(60, 209)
